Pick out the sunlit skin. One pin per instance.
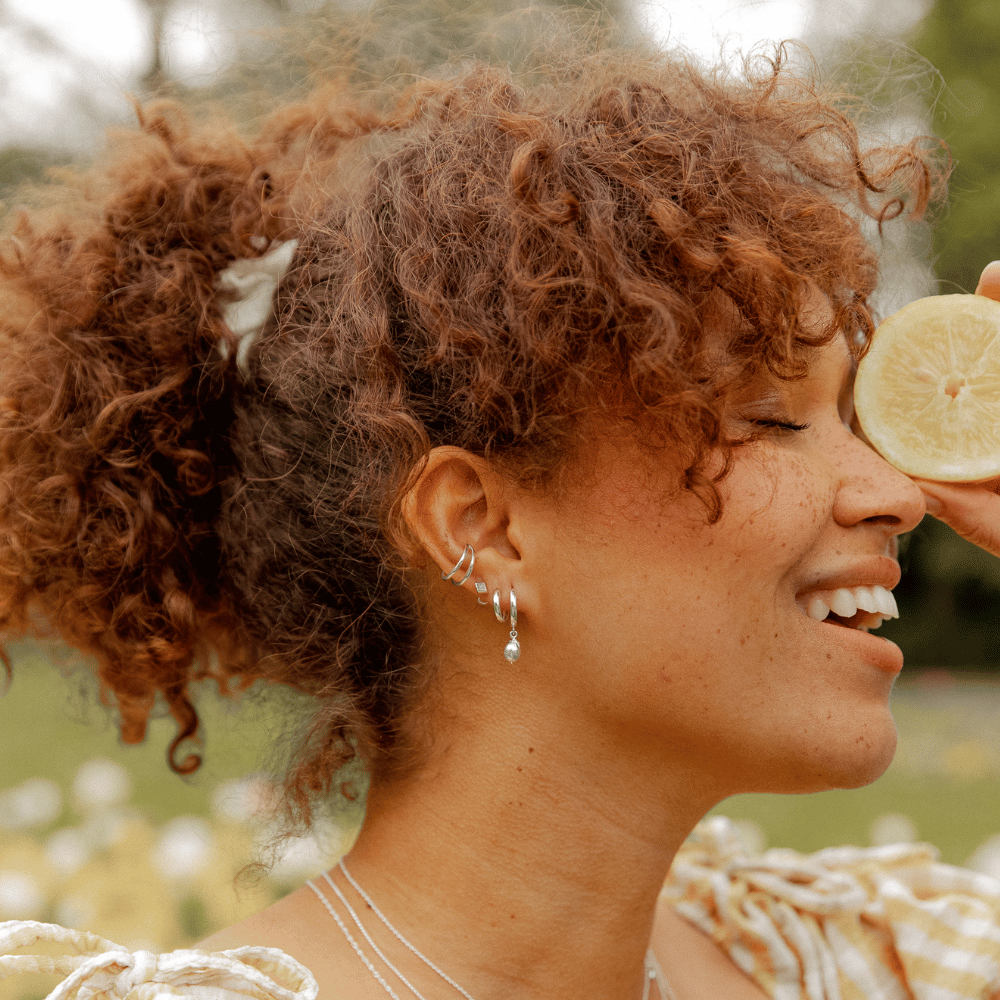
(667, 664)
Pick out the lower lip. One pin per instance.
(881, 653)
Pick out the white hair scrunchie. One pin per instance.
(249, 285)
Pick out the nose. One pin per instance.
(874, 492)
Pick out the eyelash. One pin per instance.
(785, 425)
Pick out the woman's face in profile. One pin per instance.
(706, 653)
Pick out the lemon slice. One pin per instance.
(928, 390)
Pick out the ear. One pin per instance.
(459, 499)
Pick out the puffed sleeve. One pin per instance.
(96, 969)
(884, 923)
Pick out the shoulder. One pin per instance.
(845, 921)
(90, 964)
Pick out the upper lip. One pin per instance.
(870, 571)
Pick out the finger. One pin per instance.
(972, 509)
(989, 281)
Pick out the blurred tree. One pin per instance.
(950, 595)
(19, 165)
(948, 599)
(961, 38)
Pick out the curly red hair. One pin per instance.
(480, 259)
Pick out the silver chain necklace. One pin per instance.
(654, 974)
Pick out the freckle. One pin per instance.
(829, 656)
(512, 916)
(519, 770)
(531, 749)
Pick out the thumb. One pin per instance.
(972, 509)
(989, 281)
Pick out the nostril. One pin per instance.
(889, 520)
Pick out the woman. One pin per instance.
(538, 473)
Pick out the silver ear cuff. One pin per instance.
(480, 590)
(472, 562)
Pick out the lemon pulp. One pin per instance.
(927, 394)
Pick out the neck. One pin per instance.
(526, 870)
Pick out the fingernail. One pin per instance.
(933, 504)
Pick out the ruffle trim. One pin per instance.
(96, 969)
(883, 923)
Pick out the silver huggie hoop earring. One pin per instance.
(513, 648)
(472, 562)
(497, 610)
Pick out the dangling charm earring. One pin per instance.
(513, 648)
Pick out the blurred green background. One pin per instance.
(925, 67)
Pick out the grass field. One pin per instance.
(945, 778)
(152, 865)
(50, 724)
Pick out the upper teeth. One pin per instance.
(847, 601)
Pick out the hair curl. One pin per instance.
(480, 260)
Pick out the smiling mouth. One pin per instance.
(861, 608)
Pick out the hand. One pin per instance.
(972, 509)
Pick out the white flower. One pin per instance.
(35, 802)
(184, 849)
(21, 897)
(892, 828)
(74, 911)
(100, 783)
(986, 857)
(244, 799)
(302, 857)
(68, 850)
(249, 285)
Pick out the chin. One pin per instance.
(861, 763)
(851, 760)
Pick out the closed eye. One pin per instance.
(784, 425)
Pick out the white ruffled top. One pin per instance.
(96, 969)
